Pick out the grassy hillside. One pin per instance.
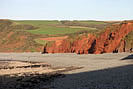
(24, 35)
(58, 28)
(14, 38)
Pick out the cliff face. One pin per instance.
(79, 45)
(112, 40)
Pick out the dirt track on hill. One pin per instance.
(54, 38)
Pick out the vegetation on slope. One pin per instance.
(58, 28)
(14, 38)
(129, 40)
(25, 35)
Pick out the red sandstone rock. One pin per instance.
(83, 45)
(79, 46)
(107, 42)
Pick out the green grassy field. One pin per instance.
(58, 28)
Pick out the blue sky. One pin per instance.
(66, 9)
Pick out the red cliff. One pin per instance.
(109, 41)
(80, 45)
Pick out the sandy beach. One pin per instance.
(102, 71)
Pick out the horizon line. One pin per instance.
(65, 19)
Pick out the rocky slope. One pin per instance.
(112, 40)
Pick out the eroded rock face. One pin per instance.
(80, 45)
(83, 45)
(109, 41)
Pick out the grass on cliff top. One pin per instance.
(58, 28)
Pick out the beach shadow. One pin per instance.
(128, 57)
(112, 78)
(28, 81)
